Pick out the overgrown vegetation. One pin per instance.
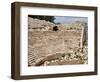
(46, 18)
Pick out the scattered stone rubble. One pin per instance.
(62, 47)
(75, 57)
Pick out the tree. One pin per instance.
(47, 18)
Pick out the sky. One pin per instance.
(69, 19)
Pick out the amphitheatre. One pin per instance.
(56, 44)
